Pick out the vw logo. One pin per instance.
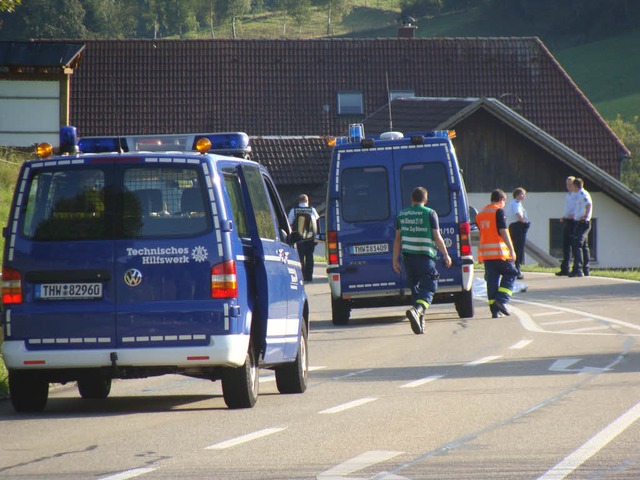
(133, 277)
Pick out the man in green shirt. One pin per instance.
(418, 239)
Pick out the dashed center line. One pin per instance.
(129, 474)
(421, 381)
(482, 360)
(245, 438)
(348, 405)
(520, 344)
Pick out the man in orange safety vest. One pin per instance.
(497, 254)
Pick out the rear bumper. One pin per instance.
(223, 350)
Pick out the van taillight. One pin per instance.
(224, 281)
(11, 286)
(332, 248)
(465, 239)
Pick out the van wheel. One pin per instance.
(292, 378)
(240, 384)
(96, 387)
(464, 304)
(340, 311)
(29, 391)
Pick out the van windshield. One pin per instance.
(69, 203)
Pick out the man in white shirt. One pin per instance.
(568, 226)
(582, 216)
(518, 226)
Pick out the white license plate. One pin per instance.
(68, 291)
(365, 249)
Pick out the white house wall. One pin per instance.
(29, 112)
(618, 230)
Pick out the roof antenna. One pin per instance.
(389, 100)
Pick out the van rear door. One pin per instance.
(60, 242)
(366, 221)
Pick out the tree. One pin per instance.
(630, 136)
(47, 19)
(9, 5)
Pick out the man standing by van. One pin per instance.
(417, 236)
(497, 253)
(304, 220)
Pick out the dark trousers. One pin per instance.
(518, 232)
(567, 244)
(305, 251)
(581, 247)
(500, 276)
(422, 278)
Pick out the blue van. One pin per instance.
(370, 181)
(147, 257)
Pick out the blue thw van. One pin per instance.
(146, 257)
(370, 181)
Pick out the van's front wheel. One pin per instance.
(29, 391)
(340, 311)
(94, 387)
(464, 304)
(240, 385)
(292, 378)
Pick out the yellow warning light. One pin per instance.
(44, 150)
(451, 134)
(331, 142)
(203, 145)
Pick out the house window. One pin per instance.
(393, 94)
(350, 103)
(555, 239)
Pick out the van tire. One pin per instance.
(96, 387)
(340, 311)
(464, 304)
(292, 378)
(240, 385)
(29, 391)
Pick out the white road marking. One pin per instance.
(348, 405)
(563, 364)
(587, 329)
(593, 445)
(482, 360)
(546, 314)
(520, 344)
(360, 462)
(129, 474)
(421, 381)
(565, 322)
(245, 438)
(352, 374)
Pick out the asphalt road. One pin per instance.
(551, 392)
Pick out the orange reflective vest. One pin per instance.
(492, 246)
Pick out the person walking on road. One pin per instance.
(418, 238)
(497, 253)
(304, 220)
(582, 216)
(518, 226)
(568, 226)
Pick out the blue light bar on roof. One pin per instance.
(102, 145)
(232, 143)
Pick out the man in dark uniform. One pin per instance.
(303, 219)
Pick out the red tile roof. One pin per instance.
(289, 87)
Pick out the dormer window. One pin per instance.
(350, 103)
(393, 94)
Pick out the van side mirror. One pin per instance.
(322, 228)
(472, 218)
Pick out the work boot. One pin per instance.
(415, 317)
(501, 307)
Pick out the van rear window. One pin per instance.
(115, 202)
(433, 177)
(364, 194)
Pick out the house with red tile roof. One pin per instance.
(520, 119)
